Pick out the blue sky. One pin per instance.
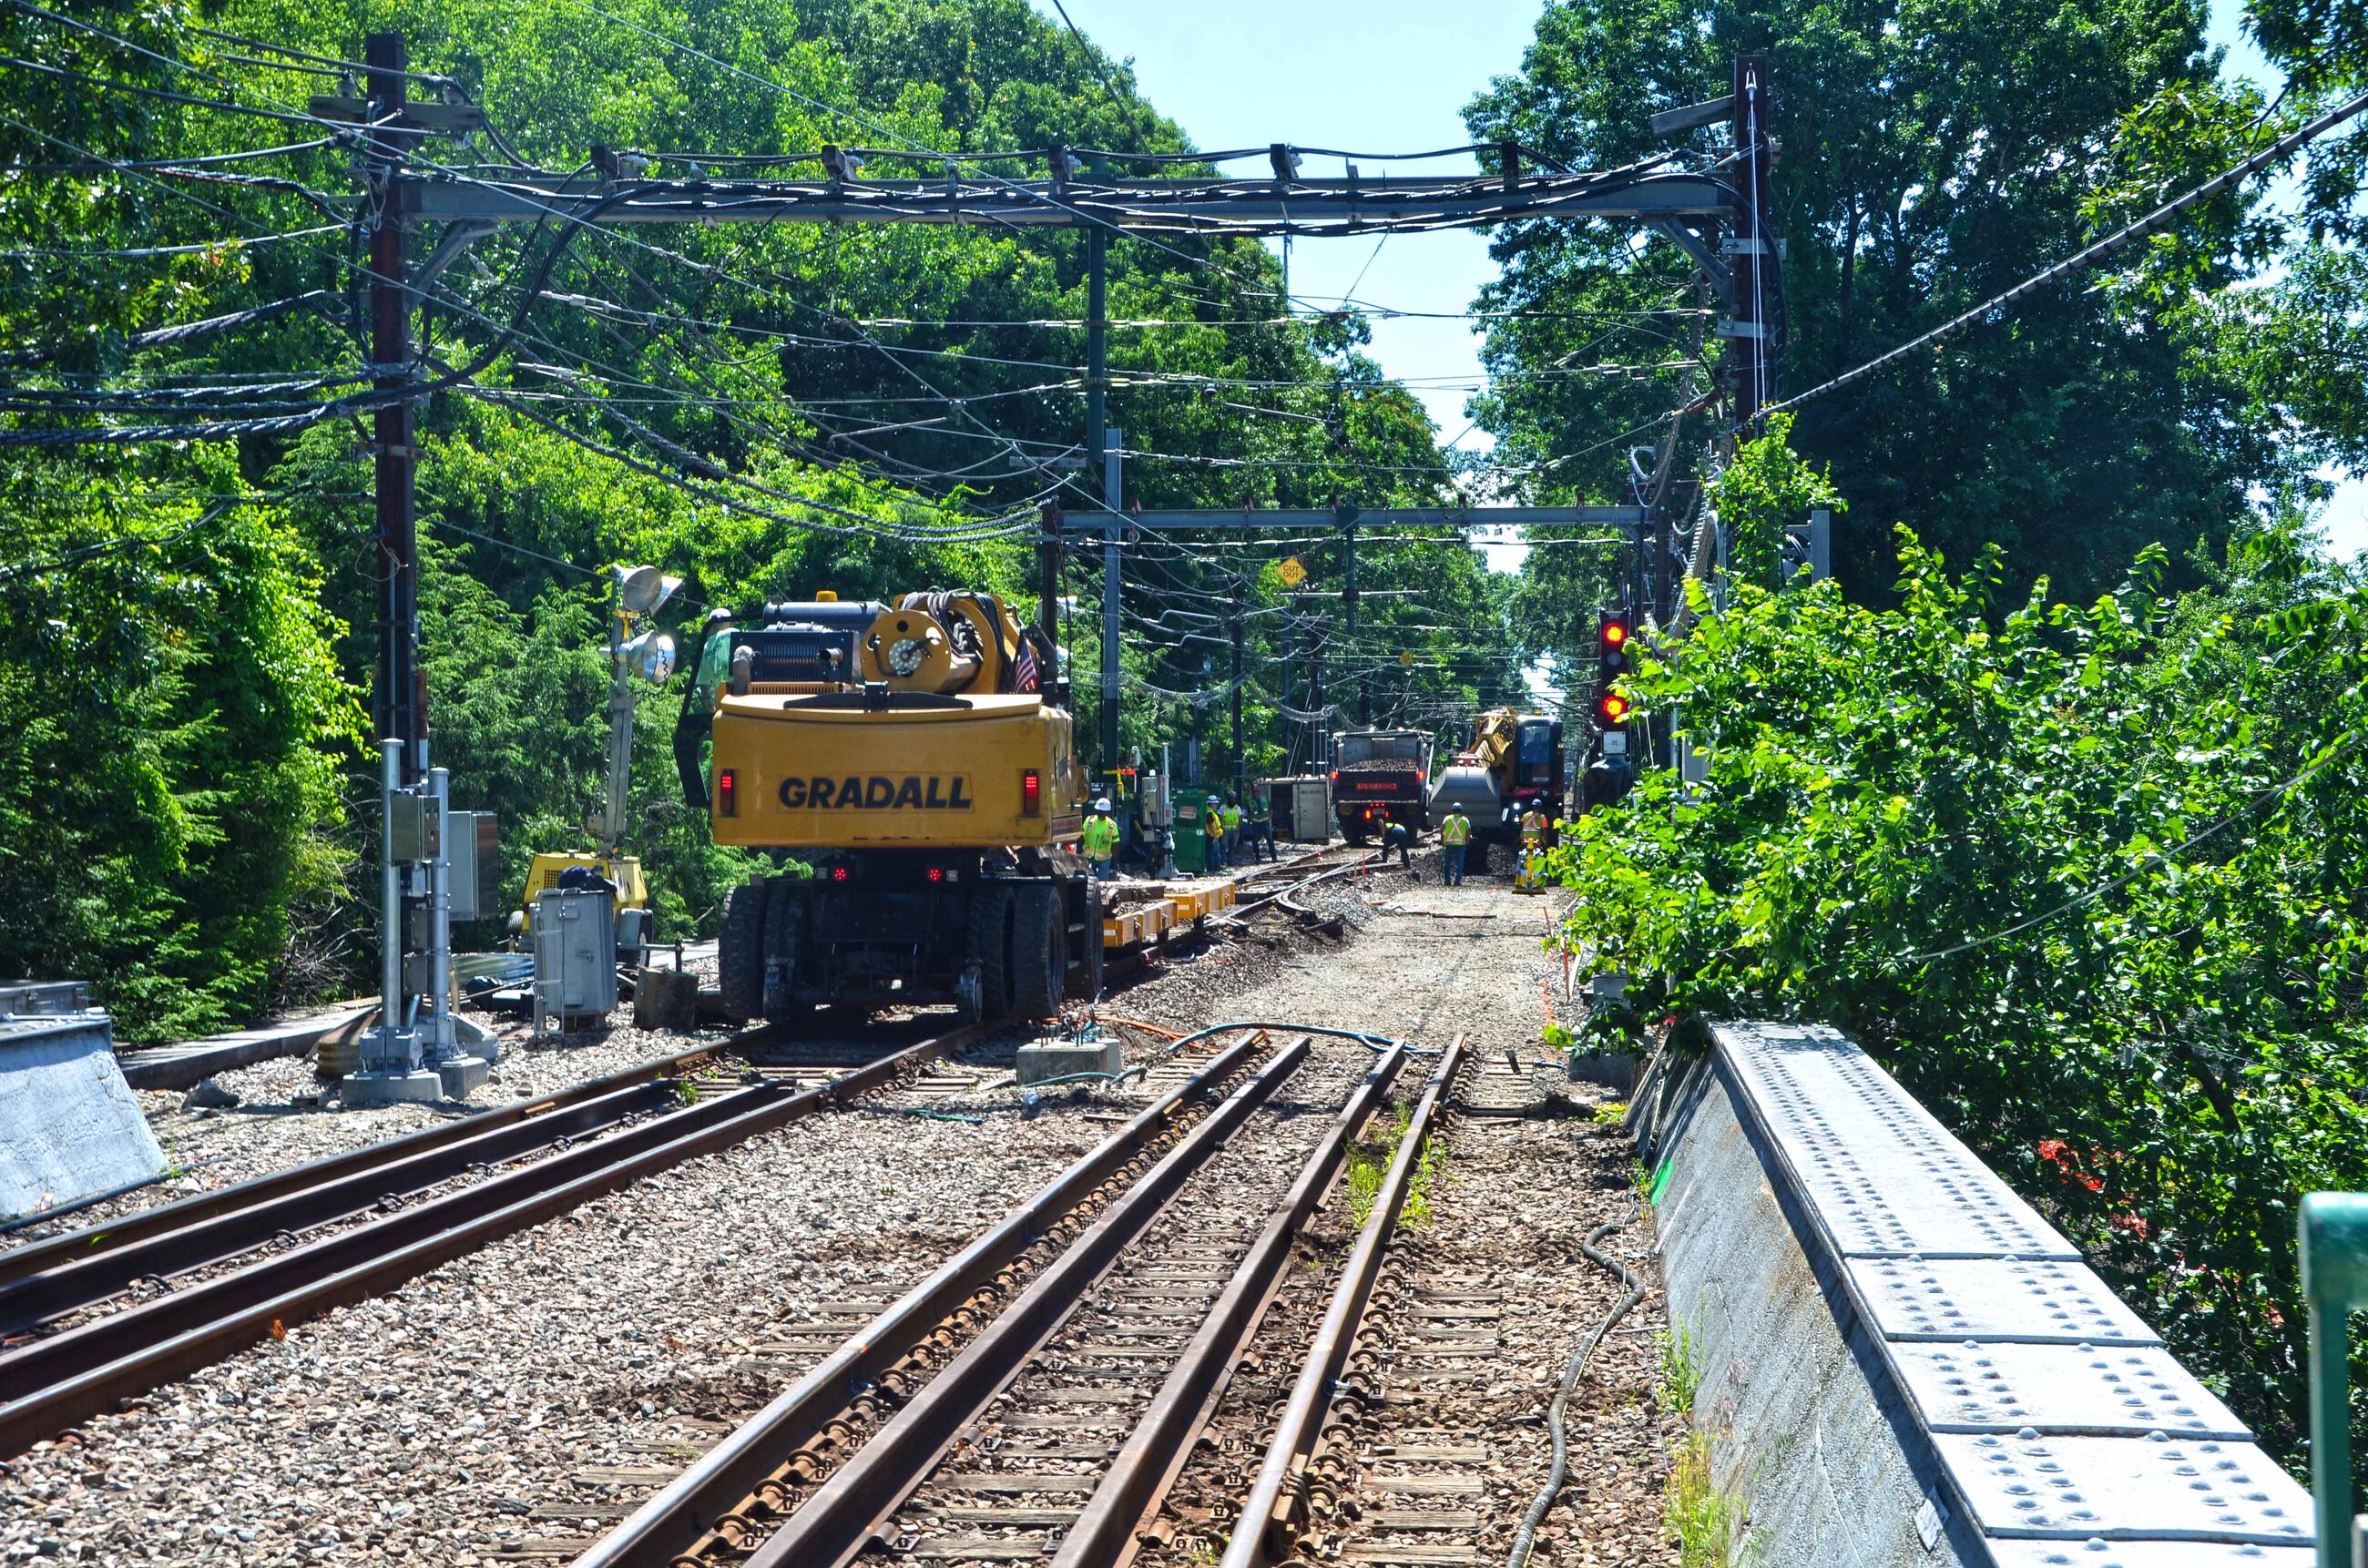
(1393, 75)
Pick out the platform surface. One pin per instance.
(2065, 1432)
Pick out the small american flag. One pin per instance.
(1024, 675)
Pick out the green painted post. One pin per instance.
(2334, 1282)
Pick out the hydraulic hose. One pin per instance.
(1525, 1539)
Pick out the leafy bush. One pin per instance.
(2088, 880)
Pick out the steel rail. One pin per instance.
(690, 1514)
(87, 1369)
(1104, 1533)
(34, 1257)
(34, 1299)
(1263, 1533)
(835, 1522)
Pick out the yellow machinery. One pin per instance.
(1515, 762)
(907, 756)
(542, 875)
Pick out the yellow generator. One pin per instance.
(909, 755)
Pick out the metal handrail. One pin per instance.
(2334, 1284)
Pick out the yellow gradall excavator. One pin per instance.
(913, 755)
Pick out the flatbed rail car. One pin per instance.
(1149, 921)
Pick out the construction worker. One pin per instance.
(1533, 824)
(1100, 837)
(698, 717)
(1262, 825)
(1395, 836)
(1453, 834)
(1233, 827)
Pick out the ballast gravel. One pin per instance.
(515, 1401)
(282, 1120)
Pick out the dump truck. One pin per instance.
(1379, 777)
(1515, 761)
(905, 755)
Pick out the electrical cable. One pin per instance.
(2087, 254)
(1525, 1539)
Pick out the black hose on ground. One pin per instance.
(1525, 1539)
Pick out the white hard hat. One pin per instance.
(1102, 804)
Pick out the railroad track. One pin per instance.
(1035, 1402)
(86, 1369)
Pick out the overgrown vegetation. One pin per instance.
(1368, 1164)
(2088, 878)
(1705, 1523)
(187, 628)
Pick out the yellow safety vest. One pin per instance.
(1455, 830)
(1101, 838)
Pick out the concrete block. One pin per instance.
(666, 999)
(1615, 1069)
(73, 1125)
(1054, 1059)
(462, 1076)
(391, 1085)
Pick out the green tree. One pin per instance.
(1932, 154)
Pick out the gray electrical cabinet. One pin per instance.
(473, 849)
(1301, 808)
(574, 956)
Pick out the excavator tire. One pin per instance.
(1039, 943)
(740, 952)
(989, 947)
(1085, 978)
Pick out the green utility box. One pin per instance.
(1192, 830)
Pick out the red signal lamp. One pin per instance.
(1031, 793)
(1614, 634)
(838, 873)
(727, 793)
(1614, 708)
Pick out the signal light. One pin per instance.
(1031, 793)
(838, 873)
(727, 793)
(1611, 662)
(937, 873)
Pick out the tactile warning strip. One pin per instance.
(1882, 1179)
(2130, 1390)
(2095, 1553)
(2025, 1300)
(2069, 1435)
(2126, 1488)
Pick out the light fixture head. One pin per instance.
(642, 589)
(651, 656)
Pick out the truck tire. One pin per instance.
(989, 947)
(785, 924)
(1086, 975)
(740, 952)
(1040, 950)
(1359, 835)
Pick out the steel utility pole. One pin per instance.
(1101, 459)
(1753, 247)
(1241, 770)
(1348, 598)
(1113, 587)
(401, 701)
(399, 1058)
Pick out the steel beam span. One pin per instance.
(1170, 207)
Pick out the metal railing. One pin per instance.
(2334, 1283)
